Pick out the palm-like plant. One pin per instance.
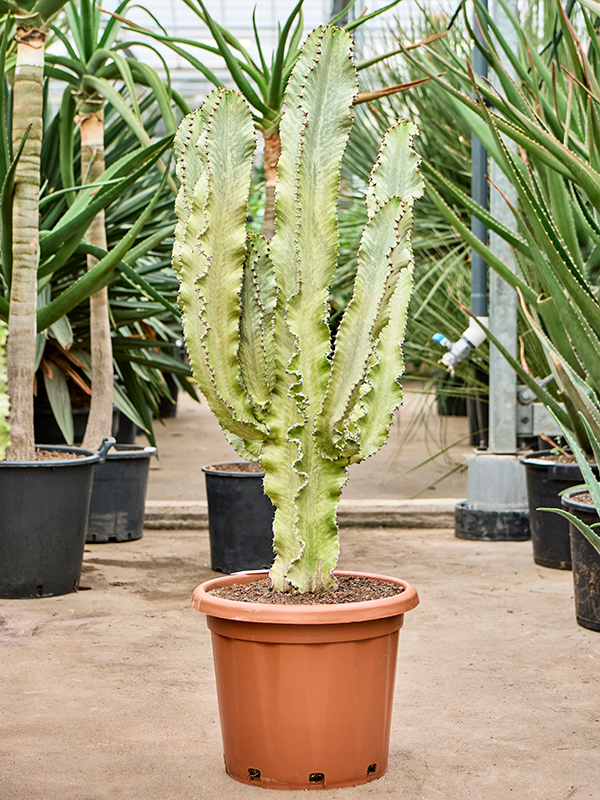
(142, 289)
(92, 63)
(28, 251)
(32, 18)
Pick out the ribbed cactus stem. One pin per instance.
(256, 313)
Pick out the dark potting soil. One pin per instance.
(56, 455)
(248, 466)
(350, 589)
(582, 497)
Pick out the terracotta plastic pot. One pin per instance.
(305, 692)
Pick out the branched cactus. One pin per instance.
(4, 403)
(256, 314)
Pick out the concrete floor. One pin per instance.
(109, 693)
(193, 439)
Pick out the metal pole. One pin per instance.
(479, 193)
(503, 299)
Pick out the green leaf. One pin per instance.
(98, 276)
(60, 402)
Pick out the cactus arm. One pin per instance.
(328, 90)
(383, 392)
(378, 270)
(210, 252)
(384, 252)
(256, 325)
(314, 133)
(396, 171)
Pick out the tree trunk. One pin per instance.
(92, 166)
(27, 110)
(272, 153)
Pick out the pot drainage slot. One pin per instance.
(40, 590)
(254, 774)
(316, 777)
(371, 769)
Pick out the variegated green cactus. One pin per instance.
(4, 403)
(256, 314)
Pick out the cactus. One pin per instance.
(256, 314)
(4, 403)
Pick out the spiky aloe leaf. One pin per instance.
(4, 401)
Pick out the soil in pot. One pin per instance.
(240, 517)
(547, 476)
(305, 691)
(585, 560)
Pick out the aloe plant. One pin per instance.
(4, 427)
(591, 481)
(551, 113)
(255, 314)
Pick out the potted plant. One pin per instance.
(45, 491)
(580, 509)
(255, 322)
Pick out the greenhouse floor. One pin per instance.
(109, 693)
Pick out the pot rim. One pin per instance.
(120, 451)
(365, 610)
(535, 460)
(91, 457)
(208, 469)
(567, 502)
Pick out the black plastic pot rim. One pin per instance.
(122, 452)
(209, 469)
(534, 460)
(568, 502)
(90, 457)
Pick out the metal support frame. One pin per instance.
(496, 505)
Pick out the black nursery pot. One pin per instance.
(549, 532)
(586, 564)
(240, 520)
(119, 494)
(43, 523)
